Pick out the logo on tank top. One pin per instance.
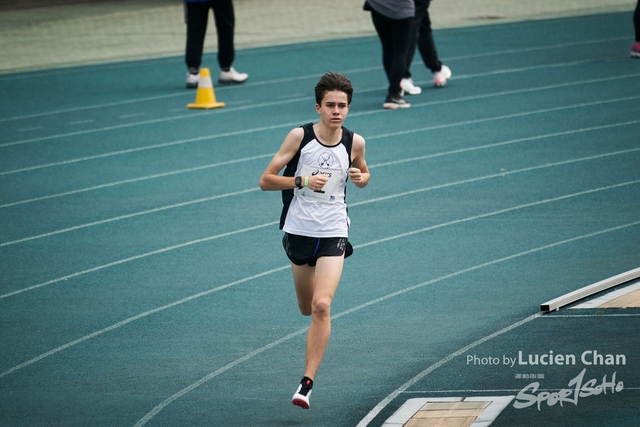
(326, 160)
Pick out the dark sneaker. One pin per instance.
(301, 396)
(393, 102)
(635, 50)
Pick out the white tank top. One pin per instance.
(319, 214)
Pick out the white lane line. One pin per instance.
(140, 256)
(431, 103)
(131, 215)
(372, 414)
(353, 204)
(344, 313)
(428, 156)
(508, 142)
(91, 107)
(525, 49)
(139, 316)
(81, 122)
(297, 78)
(380, 406)
(189, 115)
(142, 178)
(376, 111)
(402, 389)
(505, 93)
(418, 190)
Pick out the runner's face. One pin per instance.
(334, 108)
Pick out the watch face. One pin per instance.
(298, 181)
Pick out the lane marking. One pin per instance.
(374, 412)
(281, 80)
(122, 261)
(129, 116)
(133, 258)
(508, 142)
(380, 406)
(131, 215)
(337, 316)
(249, 190)
(507, 116)
(404, 132)
(393, 162)
(136, 317)
(149, 122)
(142, 178)
(267, 104)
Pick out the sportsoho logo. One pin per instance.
(577, 388)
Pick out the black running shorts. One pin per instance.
(303, 250)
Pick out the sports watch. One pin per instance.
(299, 182)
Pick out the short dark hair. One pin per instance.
(333, 81)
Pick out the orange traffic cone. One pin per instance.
(205, 97)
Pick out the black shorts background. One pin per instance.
(303, 250)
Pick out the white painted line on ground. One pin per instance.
(142, 178)
(393, 162)
(205, 379)
(364, 113)
(282, 80)
(418, 190)
(380, 406)
(131, 215)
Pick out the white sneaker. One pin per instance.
(192, 81)
(232, 76)
(440, 78)
(301, 396)
(408, 86)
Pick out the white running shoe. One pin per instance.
(408, 86)
(301, 396)
(440, 77)
(232, 76)
(192, 80)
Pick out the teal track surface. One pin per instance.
(142, 279)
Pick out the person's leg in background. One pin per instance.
(422, 37)
(196, 17)
(394, 36)
(635, 49)
(225, 26)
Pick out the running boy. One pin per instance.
(319, 158)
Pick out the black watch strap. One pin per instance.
(299, 181)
